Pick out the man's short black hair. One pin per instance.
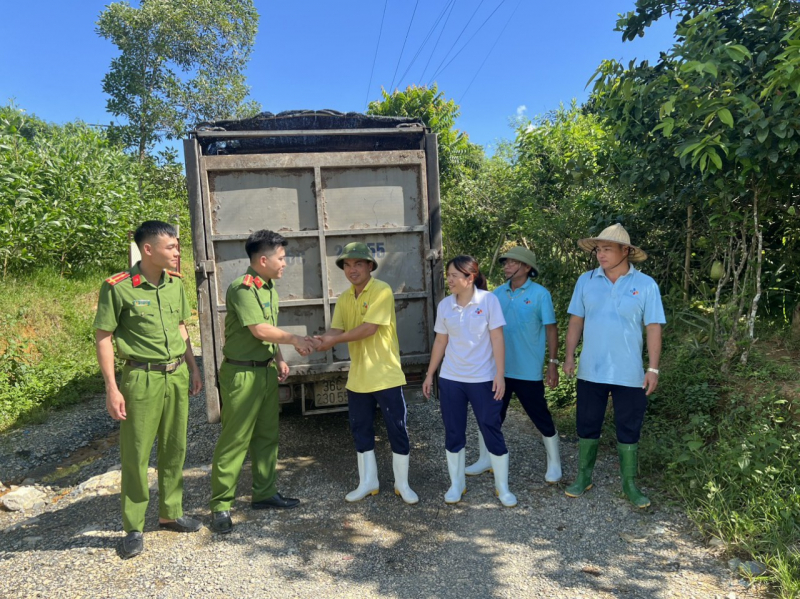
(263, 242)
(151, 229)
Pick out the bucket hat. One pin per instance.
(356, 251)
(615, 234)
(524, 255)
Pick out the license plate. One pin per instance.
(330, 393)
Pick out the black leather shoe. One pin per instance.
(221, 522)
(276, 501)
(181, 525)
(132, 545)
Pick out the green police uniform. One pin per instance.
(249, 394)
(145, 321)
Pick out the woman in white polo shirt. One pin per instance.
(469, 346)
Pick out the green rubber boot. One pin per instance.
(629, 466)
(586, 459)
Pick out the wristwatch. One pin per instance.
(554, 361)
(653, 370)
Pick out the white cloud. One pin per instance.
(521, 110)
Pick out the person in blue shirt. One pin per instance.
(530, 319)
(610, 306)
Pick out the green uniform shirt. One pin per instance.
(374, 361)
(144, 318)
(249, 300)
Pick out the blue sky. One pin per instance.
(319, 54)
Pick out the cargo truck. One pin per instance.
(321, 179)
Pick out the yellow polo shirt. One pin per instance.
(374, 361)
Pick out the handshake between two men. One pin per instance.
(308, 344)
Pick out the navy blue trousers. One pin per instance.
(454, 397)
(362, 418)
(630, 404)
(531, 395)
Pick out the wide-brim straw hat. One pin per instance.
(615, 234)
(521, 254)
(356, 251)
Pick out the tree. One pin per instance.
(68, 197)
(180, 62)
(457, 155)
(713, 124)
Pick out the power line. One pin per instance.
(436, 45)
(425, 41)
(490, 51)
(440, 71)
(391, 87)
(458, 38)
(375, 57)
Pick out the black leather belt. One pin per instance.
(251, 363)
(171, 367)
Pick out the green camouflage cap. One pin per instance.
(524, 255)
(356, 251)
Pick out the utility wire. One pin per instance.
(436, 45)
(391, 87)
(458, 38)
(425, 41)
(440, 71)
(375, 57)
(490, 51)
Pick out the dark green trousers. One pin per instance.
(157, 404)
(249, 421)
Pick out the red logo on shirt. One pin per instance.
(527, 301)
(478, 311)
(365, 305)
(634, 292)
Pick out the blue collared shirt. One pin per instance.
(527, 310)
(614, 315)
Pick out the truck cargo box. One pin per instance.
(321, 179)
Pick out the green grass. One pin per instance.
(47, 354)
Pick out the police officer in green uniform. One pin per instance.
(143, 310)
(248, 381)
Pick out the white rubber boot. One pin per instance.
(483, 464)
(400, 467)
(553, 474)
(367, 477)
(500, 467)
(458, 484)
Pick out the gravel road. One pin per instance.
(548, 546)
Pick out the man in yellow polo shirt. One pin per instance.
(365, 319)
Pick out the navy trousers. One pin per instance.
(531, 395)
(454, 397)
(362, 418)
(630, 404)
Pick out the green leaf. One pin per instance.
(761, 135)
(711, 69)
(725, 116)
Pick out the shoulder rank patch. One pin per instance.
(120, 276)
(247, 281)
(136, 280)
(172, 273)
(259, 282)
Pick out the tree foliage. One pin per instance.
(457, 155)
(69, 197)
(711, 131)
(180, 62)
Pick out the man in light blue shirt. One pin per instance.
(610, 306)
(530, 319)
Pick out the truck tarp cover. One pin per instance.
(310, 120)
